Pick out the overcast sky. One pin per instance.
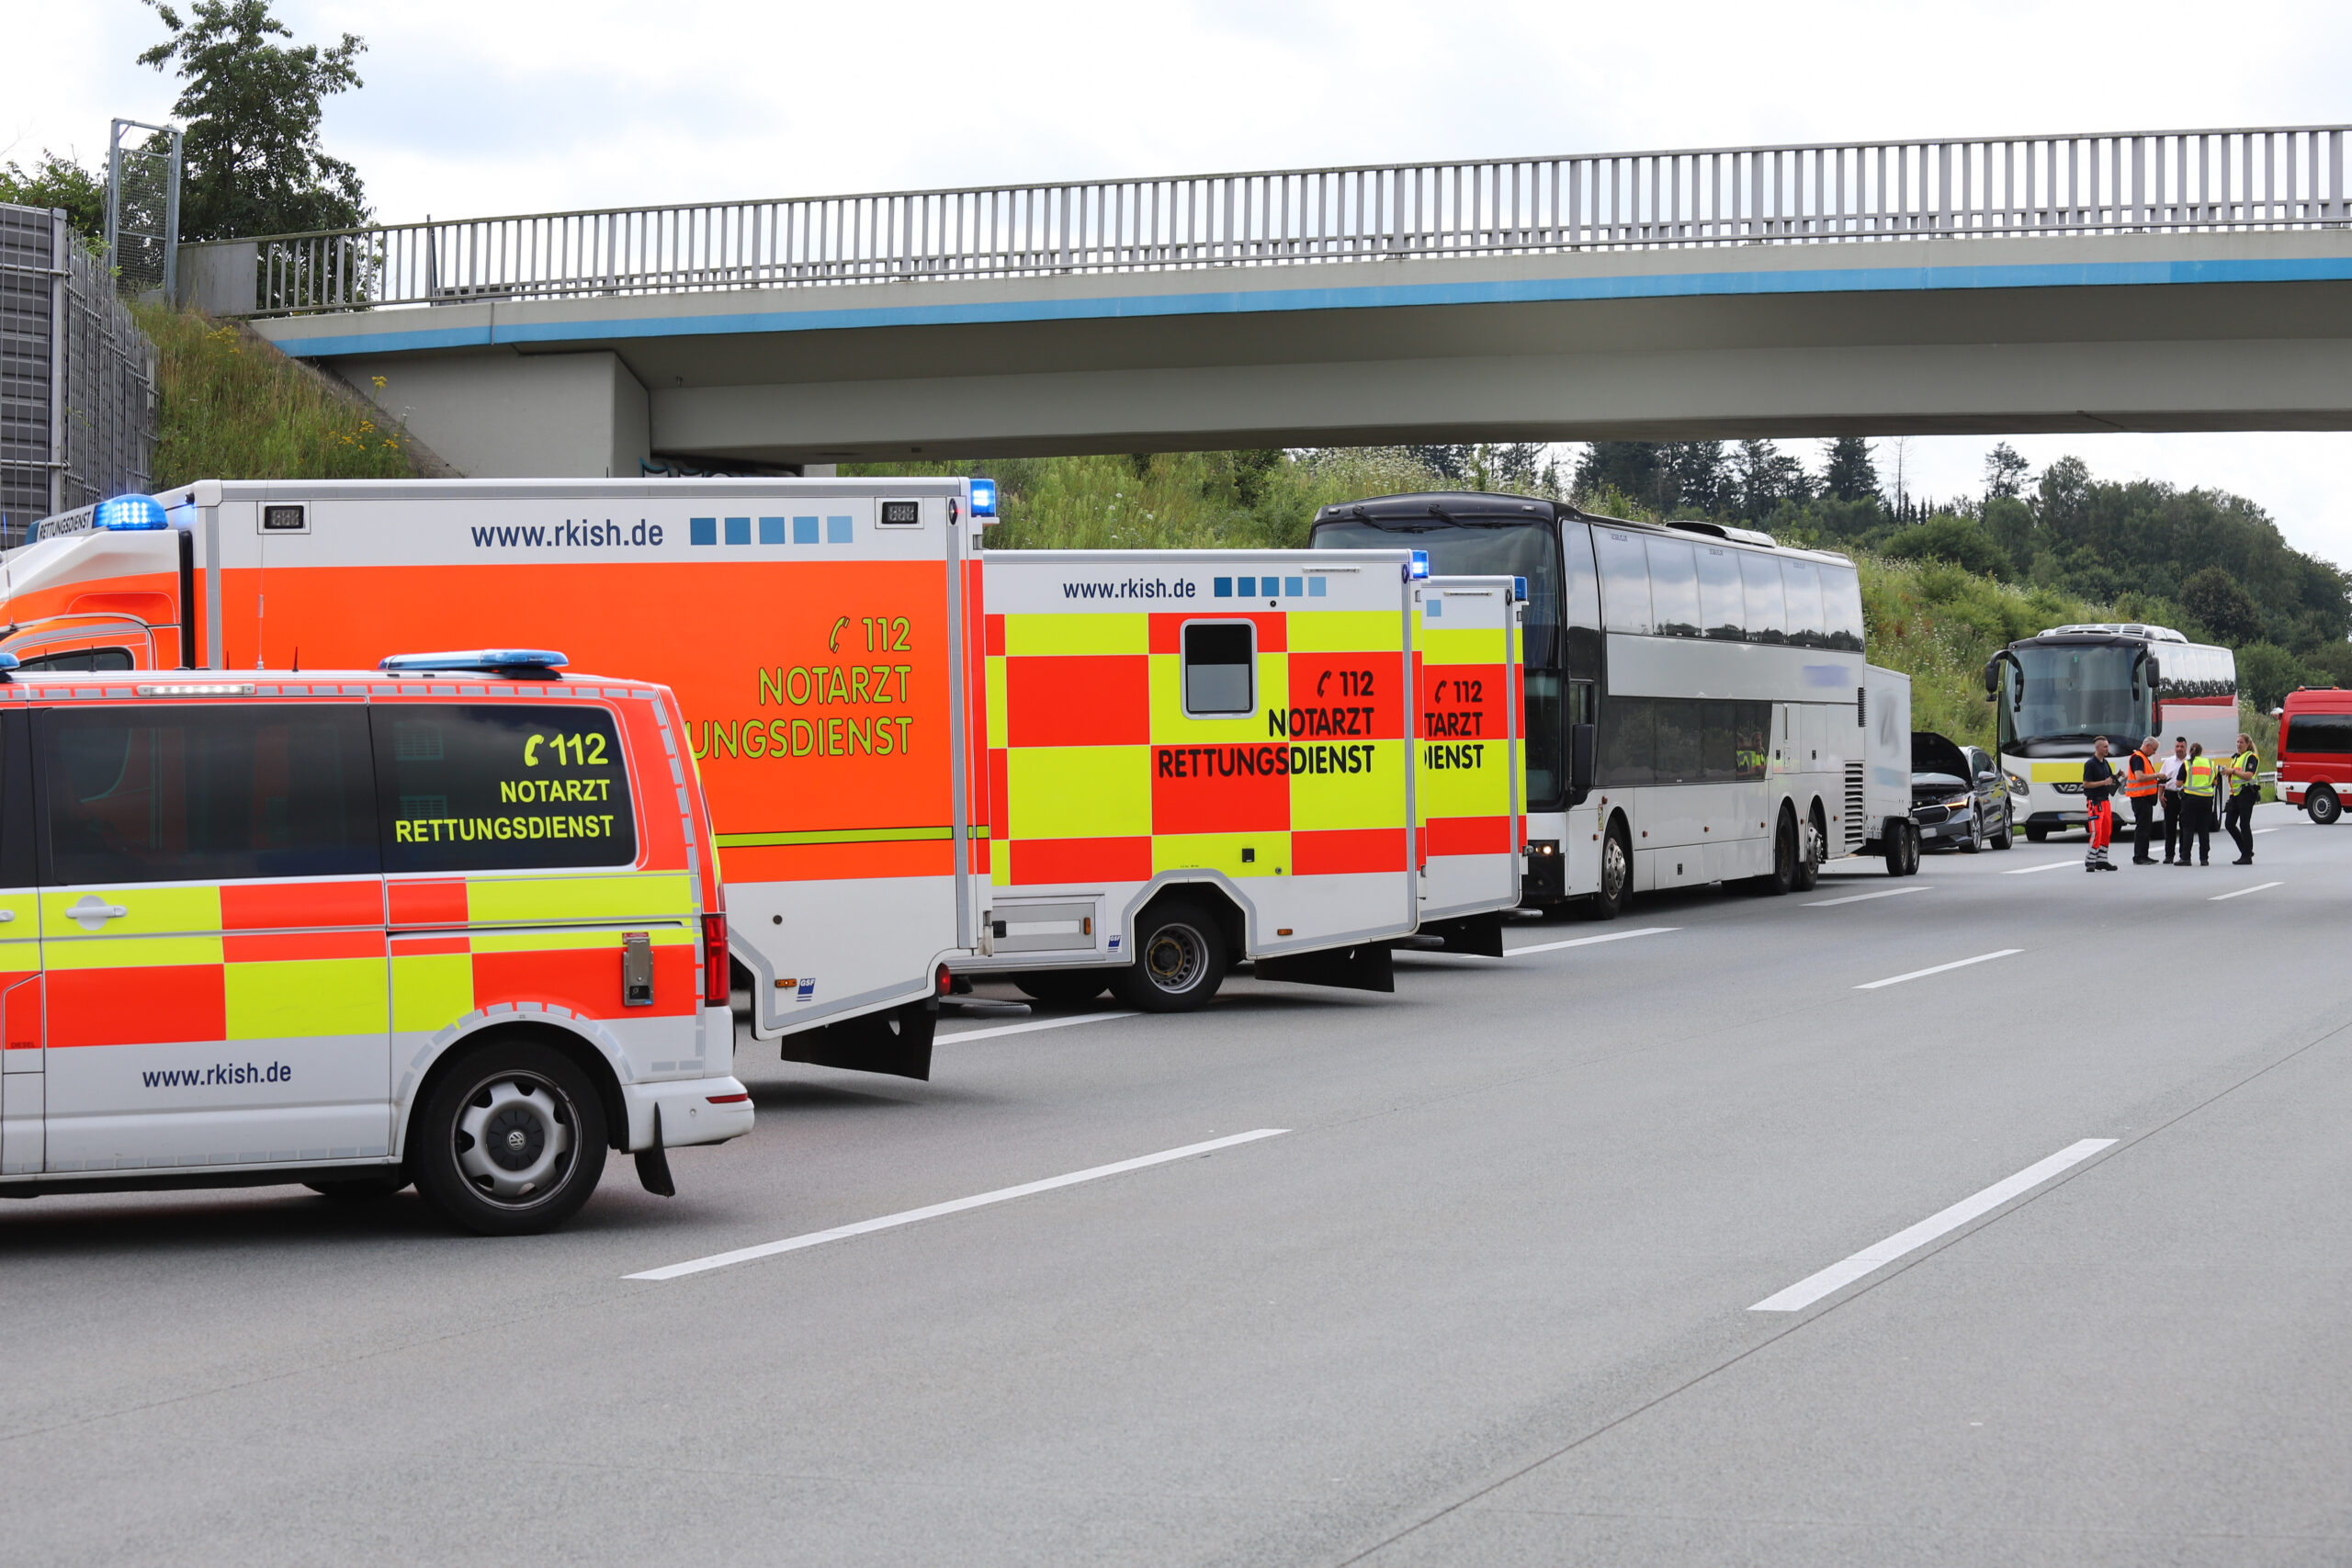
(520, 106)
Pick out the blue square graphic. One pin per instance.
(804, 530)
(1222, 587)
(738, 530)
(1294, 586)
(1249, 588)
(1433, 609)
(771, 530)
(1315, 587)
(702, 530)
(837, 530)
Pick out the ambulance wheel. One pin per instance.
(511, 1141)
(1180, 961)
(361, 1189)
(1616, 889)
(1063, 988)
(2322, 804)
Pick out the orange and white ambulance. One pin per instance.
(1202, 757)
(814, 630)
(456, 922)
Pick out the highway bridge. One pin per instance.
(2160, 280)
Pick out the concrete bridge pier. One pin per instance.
(495, 413)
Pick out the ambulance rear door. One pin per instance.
(1467, 747)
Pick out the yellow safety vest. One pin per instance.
(2201, 774)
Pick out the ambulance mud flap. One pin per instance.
(653, 1163)
(1364, 968)
(1480, 934)
(897, 1043)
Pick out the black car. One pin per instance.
(1958, 796)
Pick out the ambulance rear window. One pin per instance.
(203, 794)
(500, 787)
(1218, 665)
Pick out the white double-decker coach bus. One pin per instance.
(1698, 707)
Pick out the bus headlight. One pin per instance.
(2016, 785)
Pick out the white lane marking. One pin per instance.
(1032, 1024)
(1812, 1288)
(1589, 941)
(1921, 974)
(2259, 831)
(2244, 891)
(2030, 870)
(1862, 897)
(954, 1206)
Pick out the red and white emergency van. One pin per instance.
(2315, 751)
(454, 922)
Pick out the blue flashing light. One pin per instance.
(486, 661)
(1420, 566)
(1519, 589)
(129, 513)
(983, 498)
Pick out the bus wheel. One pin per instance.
(1616, 889)
(1783, 874)
(1178, 963)
(1813, 849)
(1063, 988)
(2322, 804)
(510, 1142)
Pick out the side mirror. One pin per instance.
(1992, 679)
(2155, 674)
(1580, 750)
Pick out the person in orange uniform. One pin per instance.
(2143, 781)
(2099, 802)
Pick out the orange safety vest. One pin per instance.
(2142, 780)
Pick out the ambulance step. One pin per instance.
(1364, 967)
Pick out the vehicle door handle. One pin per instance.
(91, 914)
(6, 915)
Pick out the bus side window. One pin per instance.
(1674, 589)
(1624, 580)
(1803, 583)
(1628, 743)
(1768, 613)
(1722, 613)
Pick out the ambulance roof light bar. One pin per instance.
(984, 499)
(129, 513)
(1420, 566)
(480, 660)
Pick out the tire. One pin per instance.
(1813, 842)
(1782, 878)
(1616, 888)
(2324, 808)
(2008, 835)
(1063, 988)
(1911, 850)
(361, 1190)
(1895, 846)
(1974, 844)
(538, 1110)
(2035, 835)
(1179, 960)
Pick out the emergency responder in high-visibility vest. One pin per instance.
(2098, 793)
(2197, 783)
(2144, 780)
(2244, 772)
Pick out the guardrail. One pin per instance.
(1853, 192)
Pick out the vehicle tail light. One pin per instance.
(714, 961)
(945, 980)
(728, 1098)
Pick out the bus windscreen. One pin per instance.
(2072, 694)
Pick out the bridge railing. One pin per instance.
(1855, 192)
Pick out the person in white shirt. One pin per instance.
(2174, 766)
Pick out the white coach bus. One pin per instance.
(1698, 707)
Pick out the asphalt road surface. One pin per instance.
(2058, 1247)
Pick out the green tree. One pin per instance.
(2004, 472)
(1849, 473)
(1954, 539)
(60, 182)
(2266, 672)
(2227, 611)
(1765, 477)
(251, 159)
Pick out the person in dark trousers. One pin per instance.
(2244, 775)
(2144, 780)
(2176, 771)
(2196, 783)
(2099, 798)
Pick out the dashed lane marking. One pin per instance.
(2244, 891)
(954, 1206)
(1940, 969)
(1033, 1023)
(1862, 897)
(1839, 1275)
(1589, 941)
(2053, 865)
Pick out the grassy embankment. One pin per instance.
(232, 406)
(1935, 622)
